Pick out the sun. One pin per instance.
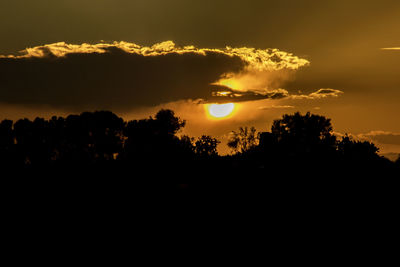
(220, 111)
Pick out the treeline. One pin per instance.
(101, 139)
(301, 143)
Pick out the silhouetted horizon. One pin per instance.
(101, 140)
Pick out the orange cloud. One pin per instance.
(319, 94)
(256, 59)
(390, 48)
(384, 137)
(123, 75)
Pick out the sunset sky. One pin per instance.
(340, 59)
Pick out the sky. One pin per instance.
(336, 58)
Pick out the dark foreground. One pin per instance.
(80, 187)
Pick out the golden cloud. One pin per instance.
(383, 137)
(257, 59)
(319, 94)
(123, 75)
(390, 48)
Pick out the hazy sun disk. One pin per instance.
(220, 111)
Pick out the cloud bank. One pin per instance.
(123, 76)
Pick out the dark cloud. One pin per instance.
(319, 94)
(115, 79)
(123, 75)
(224, 94)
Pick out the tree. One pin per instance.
(168, 123)
(244, 140)
(206, 146)
(357, 150)
(24, 140)
(302, 134)
(397, 162)
(105, 134)
(305, 128)
(155, 138)
(186, 144)
(6, 142)
(6, 134)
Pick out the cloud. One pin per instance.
(267, 71)
(390, 48)
(224, 94)
(124, 75)
(276, 107)
(383, 137)
(256, 59)
(319, 94)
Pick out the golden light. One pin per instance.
(220, 111)
(231, 83)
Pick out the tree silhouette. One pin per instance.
(155, 139)
(168, 123)
(357, 150)
(6, 142)
(25, 141)
(397, 162)
(307, 134)
(104, 130)
(244, 140)
(186, 145)
(206, 146)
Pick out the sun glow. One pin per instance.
(231, 83)
(220, 111)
